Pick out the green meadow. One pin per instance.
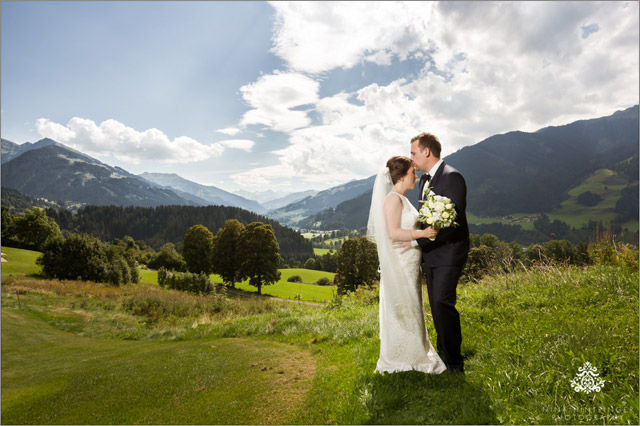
(86, 353)
(605, 183)
(307, 291)
(23, 262)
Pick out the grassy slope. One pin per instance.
(56, 377)
(525, 337)
(603, 182)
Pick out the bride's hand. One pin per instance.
(430, 232)
(405, 245)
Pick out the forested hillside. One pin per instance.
(159, 225)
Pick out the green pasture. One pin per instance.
(512, 219)
(321, 251)
(305, 291)
(19, 262)
(605, 183)
(147, 276)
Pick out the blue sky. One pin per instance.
(303, 95)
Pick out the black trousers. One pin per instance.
(442, 282)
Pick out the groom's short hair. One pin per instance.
(427, 140)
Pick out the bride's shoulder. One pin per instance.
(393, 199)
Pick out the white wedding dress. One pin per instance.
(404, 344)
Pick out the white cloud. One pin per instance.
(315, 37)
(124, 143)
(231, 131)
(242, 144)
(273, 97)
(489, 67)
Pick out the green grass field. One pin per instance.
(322, 251)
(149, 277)
(603, 182)
(306, 291)
(22, 262)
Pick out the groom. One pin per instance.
(445, 257)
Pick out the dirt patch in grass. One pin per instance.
(289, 374)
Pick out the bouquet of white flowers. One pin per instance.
(437, 211)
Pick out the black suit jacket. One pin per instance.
(451, 246)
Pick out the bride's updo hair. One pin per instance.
(399, 166)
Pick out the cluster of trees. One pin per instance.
(168, 224)
(84, 257)
(235, 253)
(488, 255)
(30, 230)
(326, 262)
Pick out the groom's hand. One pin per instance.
(405, 245)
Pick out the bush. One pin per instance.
(295, 279)
(589, 199)
(185, 281)
(323, 281)
(310, 264)
(603, 250)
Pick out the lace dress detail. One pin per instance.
(404, 344)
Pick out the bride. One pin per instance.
(404, 344)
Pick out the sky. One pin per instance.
(291, 96)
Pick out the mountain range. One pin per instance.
(51, 170)
(54, 171)
(210, 195)
(509, 173)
